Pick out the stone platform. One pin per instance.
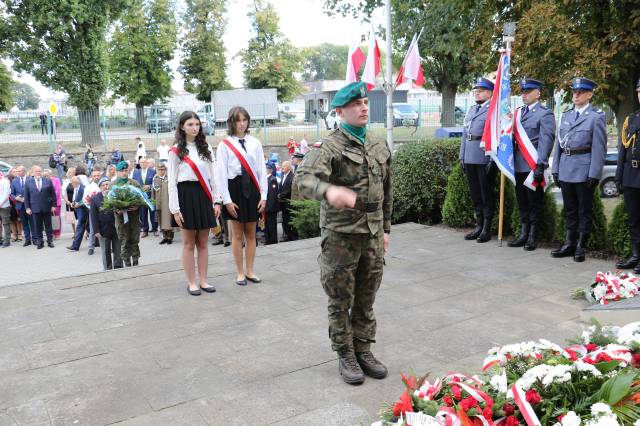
(132, 347)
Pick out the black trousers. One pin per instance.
(43, 223)
(530, 203)
(289, 231)
(578, 206)
(271, 228)
(482, 185)
(632, 203)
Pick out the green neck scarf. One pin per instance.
(122, 181)
(357, 132)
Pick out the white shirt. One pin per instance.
(89, 191)
(304, 146)
(229, 166)
(180, 171)
(582, 109)
(163, 152)
(83, 179)
(5, 191)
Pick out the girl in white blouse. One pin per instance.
(244, 197)
(191, 196)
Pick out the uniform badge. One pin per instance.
(362, 92)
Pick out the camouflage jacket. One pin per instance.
(364, 168)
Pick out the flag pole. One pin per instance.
(388, 84)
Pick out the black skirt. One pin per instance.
(195, 206)
(247, 206)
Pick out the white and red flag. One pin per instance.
(372, 66)
(528, 151)
(411, 68)
(355, 59)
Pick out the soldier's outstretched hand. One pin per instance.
(341, 197)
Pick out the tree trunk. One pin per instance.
(140, 115)
(448, 116)
(625, 107)
(90, 125)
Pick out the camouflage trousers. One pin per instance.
(129, 235)
(350, 273)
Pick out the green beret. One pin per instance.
(121, 166)
(349, 93)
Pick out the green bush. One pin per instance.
(598, 236)
(457, 210)
(547, 229)
(420, 172)
(305, 218)
(618, 231)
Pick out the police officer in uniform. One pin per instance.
(481, 175)
(350, 173)
(628, 180)
(540, 126)
(128, 230)
(580, 151)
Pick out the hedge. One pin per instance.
(547, 228)
(618, 231)
(598, 236)
(305, 218)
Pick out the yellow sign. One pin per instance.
(53, 108)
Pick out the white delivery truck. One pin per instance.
(262, 104)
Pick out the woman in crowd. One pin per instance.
(89, 158)
(111, 172)
(67, 195)
(16, 225)
(56, 221)
(243, 188)
(60, 158)
(191, 185)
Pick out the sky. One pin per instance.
(303, 22)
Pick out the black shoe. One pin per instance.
(227, 243)
(127, 262)
(636, 270)
(477, 231)
(40, 246)
(568, 248)
(532, 242)
(90, 252)
(210, 289)
(50, 244)
(242, 282)
(26, 243)
(485, 235)
(71, 248)
(254, 279)
(522, 239)
(134, 262)
(579, 254)
(632, 261)
(169, 241)
(195, 292)
(371, 366)
(350, 369)
(164, 241)
(216, 242)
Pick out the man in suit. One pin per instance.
(40, 199)
(481, 174)
(17, 191)
(104, 227)
(144, 176)
(539, 125)
(285, 201)
(82, 212)
(271, 209)
(628, 180)
(580, 151)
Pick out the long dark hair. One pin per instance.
(234, 116)
(181, 137)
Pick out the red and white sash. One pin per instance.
(206, 186)
(528, 151)
(246, 166)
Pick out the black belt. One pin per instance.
(367, 207)
(474, 138)
(576, 151)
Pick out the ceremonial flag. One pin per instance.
(411, 68)
(372, 66)
(529, 152)
(355, 59)
(497, 129)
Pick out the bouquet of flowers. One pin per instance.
(595, 381)
(123, 197)
(610, 287)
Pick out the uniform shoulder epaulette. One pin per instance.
(543, 107)
(598, 111)
(567, 110)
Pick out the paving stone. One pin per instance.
(32, 413)
(343, 414)
(181, 415)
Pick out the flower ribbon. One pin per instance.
(525, 408)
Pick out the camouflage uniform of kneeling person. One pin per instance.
(350, 173)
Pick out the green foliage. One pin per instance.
(305, 218)
(618, 230)
(122, 198)
(25, 97)
(141, 48)
(270, 60)
(547, 228)
(420, 172)
(598, 236)
(6, 94)
(203, 64)
(325, 62)
(457, 211)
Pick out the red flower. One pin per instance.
(508, 409)
(456, 391)
(602, 357)
(397, 409)
(447, 400)
(588, 360)
(636, 398)
(464, 404)
(472, 401)
(560, 417)
(405, 401)
(511, 421)
(591, 347)
(487, 413)
(533, 397)
(572, 355)
(635, 360)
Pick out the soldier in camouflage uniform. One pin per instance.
(129, 232)
(350, 173)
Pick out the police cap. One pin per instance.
(348, 93)
(530, 83)
(483, 83)
(581, 83)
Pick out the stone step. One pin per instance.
(614, 313)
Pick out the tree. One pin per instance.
(325, 62)
(203, 66)
(141, 48)
(62, 44)
(25, 96)
(454, 45)
(270, 60)
(6, 95)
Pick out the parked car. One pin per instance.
(608, 183)
(5, 167)
(458, 113)
(404, 115)
(161, 119)
(205, 112)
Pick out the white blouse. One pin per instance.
(229, 167)
(180, 171)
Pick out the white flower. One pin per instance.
(629, 334)
(499, 382)
(580, 365)
(570, 419)
(600, 409)
(637, 423)
(609, 420)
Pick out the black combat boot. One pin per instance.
(579, 254)
(485, 235)
(350, 369)
(135, 261)
(371, 366)
(127, 262)
(476, 232)
(636, 270)
(522, 239)
(569, 246)
(531, 243)
(632, 261)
